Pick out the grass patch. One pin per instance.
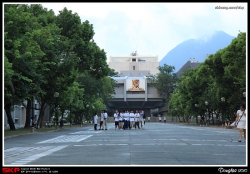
(21, 131)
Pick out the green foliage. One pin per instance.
(164, 81)
(54, 53)
(222, 74)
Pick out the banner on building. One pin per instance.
(135, 84)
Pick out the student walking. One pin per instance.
(120, 120)
(126, 120)
(95, 121)
(241, 122)
(105, 120)
(141, 119)
(202, 121)
(132, 119)
(137, 117)
(101, 120)
(116, 115)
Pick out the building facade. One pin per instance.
(134, 63)
(19, 115)
(134, 91)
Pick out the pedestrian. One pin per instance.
(144, 118)
(120, 120)
(35, 124)
(126, 116)
(101, 120)
(165, 119)
(141, 119)
(241, 121)
(116, 115)
(124, 120)
(202, 121)
(31, 122)
(105, 120)
(136, 118)
(95, 121)
(132, 119)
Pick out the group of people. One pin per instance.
(124, 120)
(103, 120)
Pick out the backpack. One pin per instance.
(144, 115)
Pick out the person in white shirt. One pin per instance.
(137, 118)
(126, 118)
(116, 117)
(95, 121)
(120, 120)
(105, 120)
(132, 119)
(141, 119)
(241, 120)
(101, 120)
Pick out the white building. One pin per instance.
(134, 91)
(19, 115)
(134, 62)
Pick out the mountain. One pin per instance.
(196, 48)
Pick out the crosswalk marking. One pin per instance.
(26, 154)
(87, 132)
(66, 139)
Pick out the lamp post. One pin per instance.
(56, 95)
(223, 114)
(206, 103)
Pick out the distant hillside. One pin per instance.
(196, 48)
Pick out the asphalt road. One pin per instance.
(160, 143)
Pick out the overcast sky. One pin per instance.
(154, 28)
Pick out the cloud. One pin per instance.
(154, 28)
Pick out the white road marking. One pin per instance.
(151, 144)
(87, 132)
(26, 153)
(202, 140)
(219, 154)
(66, 139)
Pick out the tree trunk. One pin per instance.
(196, 117)
(41, 115)
(179, 118)
(7, 109)
(27, 121)
(184, 119)
(187, 119)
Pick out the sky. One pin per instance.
(153, 29)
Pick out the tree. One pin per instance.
(164, 81)
(21, 50)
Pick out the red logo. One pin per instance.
(10, 170)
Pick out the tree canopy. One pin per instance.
(46, 53)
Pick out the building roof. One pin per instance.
(192, 63)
